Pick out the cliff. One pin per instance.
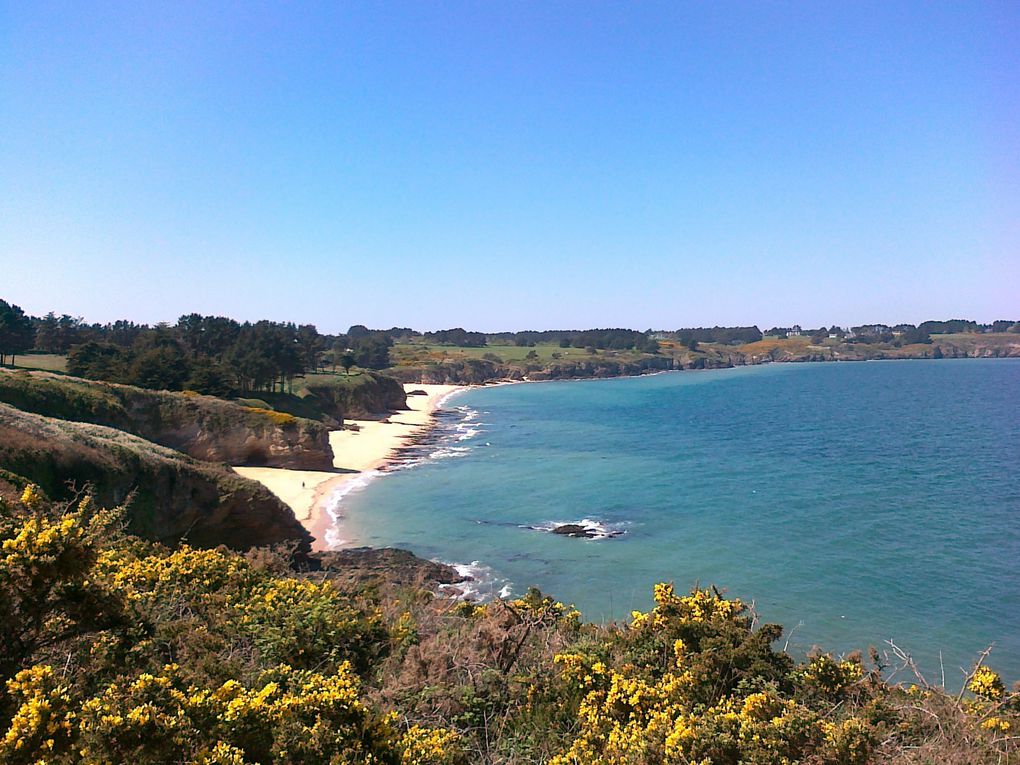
(363, 394)
(202, 427)
(170, 496)
(478, 371)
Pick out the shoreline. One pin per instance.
(359, 454)
(363, 454)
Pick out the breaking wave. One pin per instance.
(480, 583)
(587, 528)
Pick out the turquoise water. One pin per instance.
(856, 502)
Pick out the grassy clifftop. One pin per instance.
(201, 426)
(362, 394)
(172, 496)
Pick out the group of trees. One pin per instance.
(601, 339)
(724, 335)
(16, 332)
(611, 339)
(209, 354)
(220, 356)
(457, 336)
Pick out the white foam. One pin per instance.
(445, 447)
(597, 529)
(333, 539)
(481, 583)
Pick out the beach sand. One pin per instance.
(355, 452)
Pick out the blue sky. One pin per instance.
(512, 165)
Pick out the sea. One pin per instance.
(857, 504)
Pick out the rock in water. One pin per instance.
(575, 530)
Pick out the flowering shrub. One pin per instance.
(117, 650)
(683, 707)
(986, 684)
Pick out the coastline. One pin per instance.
(359, 452)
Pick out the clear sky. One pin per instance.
(512, 165)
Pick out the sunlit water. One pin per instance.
(853, 502)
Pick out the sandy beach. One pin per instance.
(355, 453)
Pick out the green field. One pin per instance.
(49, 362)
(408, 354)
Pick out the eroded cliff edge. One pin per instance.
(170, 497)
(202, 427)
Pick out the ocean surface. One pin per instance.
(854, 503)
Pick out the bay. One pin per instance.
(852, 502)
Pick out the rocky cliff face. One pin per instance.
(359, 395)
(595, 368)
(478, 371)
(466, 372)
(170, 497)
(203, 427)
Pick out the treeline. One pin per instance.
(457, 336)
(16, 332)
(224, 357)
(897, 334)
(723, 335)
(221, 356)
(603, 339)
(209, 354)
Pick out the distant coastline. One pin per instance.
(464, 366)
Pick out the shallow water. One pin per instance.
(853, 502)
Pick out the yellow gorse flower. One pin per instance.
(986, 684)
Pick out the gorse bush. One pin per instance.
(117, 650)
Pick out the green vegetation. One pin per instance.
(168, 495)
(47, 362)
(422, 353)
(686, 349)
(267, 362)
(363, 394)
(16, 332)
(127, 635)
(117, 650)
(202, 426)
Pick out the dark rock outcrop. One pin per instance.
(203, 427)
(360, 566)
(170, 497)
(574, 530)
